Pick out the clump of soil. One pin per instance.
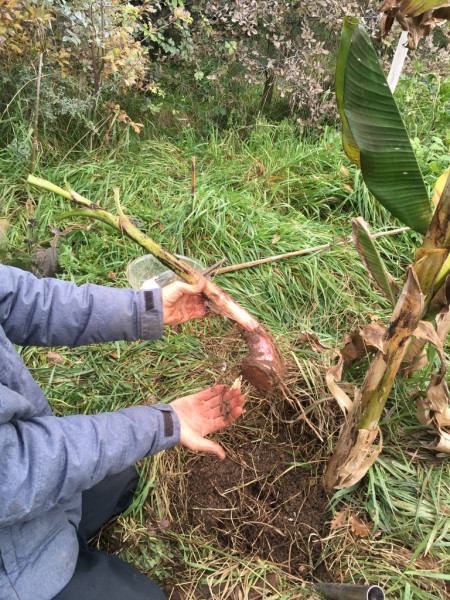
(259, 504)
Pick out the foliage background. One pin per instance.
(112, 64)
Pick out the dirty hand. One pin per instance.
(183, 302)
(206, 412)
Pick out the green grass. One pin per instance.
(261, 191)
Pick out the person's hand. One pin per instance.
(183, 302)
(206, 412)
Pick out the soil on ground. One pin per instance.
(265, 500)
(260, 504)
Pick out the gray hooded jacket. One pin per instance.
(47, 461)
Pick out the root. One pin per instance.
(295, 403)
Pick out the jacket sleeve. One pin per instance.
(47, 459)
(51, 312)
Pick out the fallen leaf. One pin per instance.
(374, 317)
(349, 188)
(345, 172)
(112, 275)
(360, 528)
(339, 519)
(358, 343)
(276, 238)
(307, 337)
(54, 357)
(150, 399)
(46, 261)
(114, 355)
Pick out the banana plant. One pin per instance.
(375, 139)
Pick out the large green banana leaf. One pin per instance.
(374, 136)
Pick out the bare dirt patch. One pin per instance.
(265, 500)
(261, 506)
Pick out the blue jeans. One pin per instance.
(101, 576)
